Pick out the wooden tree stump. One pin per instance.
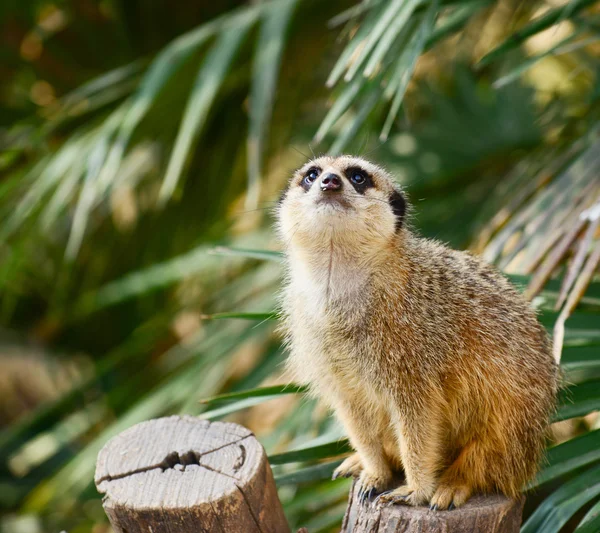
(481, 514)
(184, 474)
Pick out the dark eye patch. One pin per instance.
(310, 176)
(359, 179)
(398, 205)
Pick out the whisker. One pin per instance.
(288, 241)
(239, 213)
(301, 153)
(266, 206)
(364, 144)
(368, 198)
(376, 147)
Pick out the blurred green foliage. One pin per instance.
(144, 145)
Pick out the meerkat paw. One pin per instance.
(404, 494)
(371, 483)
(450, 496)
(351, 467)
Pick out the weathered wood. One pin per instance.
(481, 514)
(184, 474)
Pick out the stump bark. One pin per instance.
(481, 514)
(184, 474)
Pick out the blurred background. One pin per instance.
(142, 148)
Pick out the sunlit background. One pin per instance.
(143, 146)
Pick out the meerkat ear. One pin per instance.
(398, 205)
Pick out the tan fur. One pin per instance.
(429, 357)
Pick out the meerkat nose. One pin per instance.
(331, 182)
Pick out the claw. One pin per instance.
(394, 499)
(433, 507)
(362, 496)
(382, 494)
(451, 506)
(337, 474)
(366, 494)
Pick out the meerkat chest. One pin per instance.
(325, 331)
(329, 308)
(328, 288)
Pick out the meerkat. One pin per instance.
(433, 362)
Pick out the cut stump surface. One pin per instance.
(181, 474)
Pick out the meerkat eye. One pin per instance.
(358, 177)
(311, 175)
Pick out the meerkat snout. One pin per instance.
(331, 182)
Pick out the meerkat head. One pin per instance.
(341, 199)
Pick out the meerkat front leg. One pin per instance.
(350, 467)
(370, 460)
(419, 438)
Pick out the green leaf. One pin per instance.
(309, 473)
(63, 194)
(579, 400)
(350, 131)
(576, 355)
(530, 62)
(591, 521)
(145, 280)
(234, 407)
(168, 61)
(102, 83)
(91, 184)
(394, 15)
(208, 81)
(265, 69)
(362, 34)
(397, 26)
(352, 12)
(340, 105)
(569, 456)
(259, 392)
(267, 255)
(45, 176)
(323, 451)
(548, 19)
(455, 21)
(556, 510)
(272, 315)
(581, 363)
(326, 520)
(406, 66)
(317, 496)
(100, 91)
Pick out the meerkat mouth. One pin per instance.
(334, 201)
